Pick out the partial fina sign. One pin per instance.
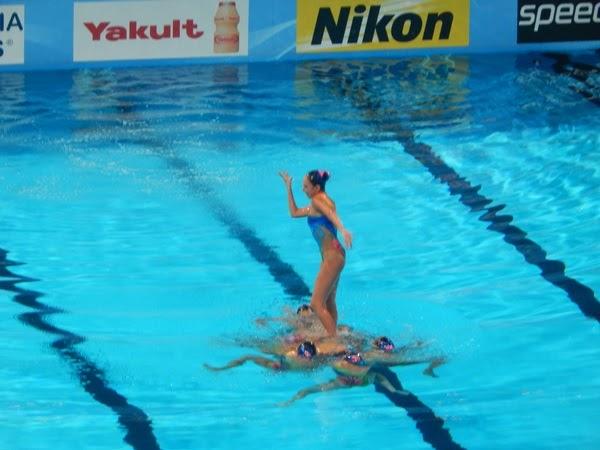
(134, 30)
(358, 25)
(558, 21)
(12, 34)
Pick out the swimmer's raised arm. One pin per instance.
(294, 210)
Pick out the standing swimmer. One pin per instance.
(324, 224)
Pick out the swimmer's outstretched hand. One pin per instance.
(213, 368)
(347, 238)
(287, 179)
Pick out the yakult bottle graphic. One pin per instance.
(227, 36)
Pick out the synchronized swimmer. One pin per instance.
(356, 359)
(324, 224)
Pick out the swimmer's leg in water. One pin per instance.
(258, 360)
(382, 377)
(433, 363)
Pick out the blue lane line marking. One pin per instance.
(551, 270)
(136, 422)
(282, 272)
(431, 426)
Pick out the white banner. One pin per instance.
(104, 31)
(12, 34)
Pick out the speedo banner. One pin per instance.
(558, 21)
(358, 25)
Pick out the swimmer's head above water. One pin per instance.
(307, 350)
(354, 359)
(384, 343)
(304, 310)
(314, 182)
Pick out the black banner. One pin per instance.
(558, 20)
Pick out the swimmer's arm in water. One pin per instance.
(323, 387)
(322, 207)
(264, 321)
(258, 360)
(294, 210)
(288, 317)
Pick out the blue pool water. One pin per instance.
(150, 229)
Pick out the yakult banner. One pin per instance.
(137, 30)
(358, 25)
(558, 21)
(12, 34)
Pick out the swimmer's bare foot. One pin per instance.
(436, 362)
(429, 372)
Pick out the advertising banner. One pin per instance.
(134, 30)
(359, 25)
(558, 21)
(12, 34)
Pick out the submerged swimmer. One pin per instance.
(289, 356)
(384, 352)
(324, 224)
(352, 371)
(303, 318)
(356, 370)
(304, 357)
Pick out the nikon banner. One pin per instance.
(358, 25)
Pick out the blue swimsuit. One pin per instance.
(316, 225)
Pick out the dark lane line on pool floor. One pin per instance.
(578, 71)
(364, 100)
(136, 422)
(282, 272)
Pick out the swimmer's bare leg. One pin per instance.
(328, 274)
(435, 362)
(384, 382)
(258, 360)
(329, 386)
(383, 377)
(330, 302)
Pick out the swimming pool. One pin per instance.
(150, 227)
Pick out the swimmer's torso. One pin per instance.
(323, 230)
